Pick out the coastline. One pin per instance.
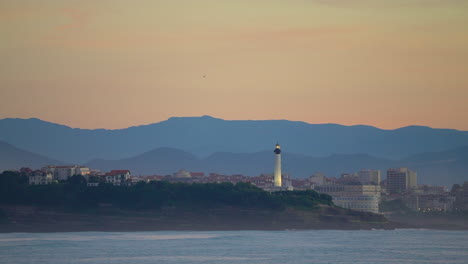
(30, 219)
(431, 221)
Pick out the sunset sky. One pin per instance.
(119, 63)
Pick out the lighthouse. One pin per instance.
(277, 165)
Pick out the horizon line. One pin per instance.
(212, 117)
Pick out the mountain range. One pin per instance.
(440, 156)
(206, 135)
(441, 168)
(14, 158)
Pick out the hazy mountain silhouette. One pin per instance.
(12, 158)
(159, 161)
(206, 135)
(445, 168)
(165, 161)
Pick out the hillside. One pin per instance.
(15, 158)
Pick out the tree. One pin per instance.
(77, 180)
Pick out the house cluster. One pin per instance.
(51, 174)
(264, 181)
(361, 191)
(117, 177)
(40, 177)
(365, 191)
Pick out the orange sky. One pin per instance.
(119, 63)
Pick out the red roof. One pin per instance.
(117, 172)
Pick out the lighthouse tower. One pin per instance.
(277, 166)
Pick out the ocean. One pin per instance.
(313, 246)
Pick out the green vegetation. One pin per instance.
(303, 199)
(74, 194)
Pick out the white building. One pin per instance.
(363, 203)
(364, 198)
(40, 178)
(118, 177)
(62, 173)
(182, 174)
(286, 182)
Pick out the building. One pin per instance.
(369, 176)
(182, 174)
(363, 203)
(197, 174)
(317, 178)
(431, 189)
(264, 181)
(401, 180)
(277, 173)
(81, 170)
(364, 198)
(62, 173)
(460, 192)
(434, 202)
(349, 190)
(40, 177)
(348, 178)
(286, 182)
(118, 177)
(412, 179)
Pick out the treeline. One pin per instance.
(75, 194)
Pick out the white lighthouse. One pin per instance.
(277, 166)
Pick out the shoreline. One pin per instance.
(35, 219)
(37, 231)
(28, 219)
(433, 222)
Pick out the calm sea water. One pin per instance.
(323, 246)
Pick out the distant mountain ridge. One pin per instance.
(203, 136)
(15, 158)
(442, 168)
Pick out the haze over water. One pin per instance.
(322, 246)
